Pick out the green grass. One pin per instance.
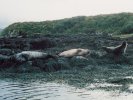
(109, 24)
(124, 36)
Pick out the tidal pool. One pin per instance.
(39, 89)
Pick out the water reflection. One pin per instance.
(41, 90)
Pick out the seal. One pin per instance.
(74, 52)
(29, 56)
(118, 50)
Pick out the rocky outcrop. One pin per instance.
(14, 46)
(26, 43)
(5, 62)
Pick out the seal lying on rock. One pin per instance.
(118, 50)
(30, 55)
(74, 52)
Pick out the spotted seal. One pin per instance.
(30, 55)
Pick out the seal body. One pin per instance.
(30, 55)
(118, 50)
(74, 52)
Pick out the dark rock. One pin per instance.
(120, 80)
(27, 67)
(26, 43)
(41, 43)
(5, 61)
(6, 52)
(51, 65)
(79, 61)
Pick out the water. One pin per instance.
(20, 89)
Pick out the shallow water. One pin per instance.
(17, 89)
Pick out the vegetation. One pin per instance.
(0, 31)
(124, 36)
(113, 23)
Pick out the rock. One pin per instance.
(27, 67)
(5, 61)
(6, 52)
(79, 61)
(50, 65)
(41, 43)
(124, 80)
(26, 43)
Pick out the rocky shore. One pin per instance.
(55, 44)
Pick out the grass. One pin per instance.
(120, 23)
(124, 36)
